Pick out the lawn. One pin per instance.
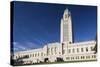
(43, 63)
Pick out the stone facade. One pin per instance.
(66, 50)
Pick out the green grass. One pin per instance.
(43, 63)
(65, 62)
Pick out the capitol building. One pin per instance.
(65, 50)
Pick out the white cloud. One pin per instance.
(32, 45)
(25, 46)
(18, 46)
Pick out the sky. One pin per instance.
(37, 24)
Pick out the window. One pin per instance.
(59, 52)
(91, 48)
(16, 56)
(73, 50)
(48, 51)
(25, 56)
(77, 57)
(77, 49)
(67, 58)
(69, 51)
(81, 49)
(82, 57)
(87, 57)
(30, 55)
(72, 57)
(55, 50)
(63, 51)
(33, 55)
(70, 42)
(86, 49)
(44, 54)
(93, 56)
(41, 54)
(52, 51)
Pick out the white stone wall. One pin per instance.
(55, 50)
(81, 48)
(78, 50)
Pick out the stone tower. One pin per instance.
(66, 28)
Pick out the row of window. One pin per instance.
(80, 50)
(37, 54)
(52, 51)
(32, 55)
(81, 57)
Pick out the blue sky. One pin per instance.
(36, 24)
